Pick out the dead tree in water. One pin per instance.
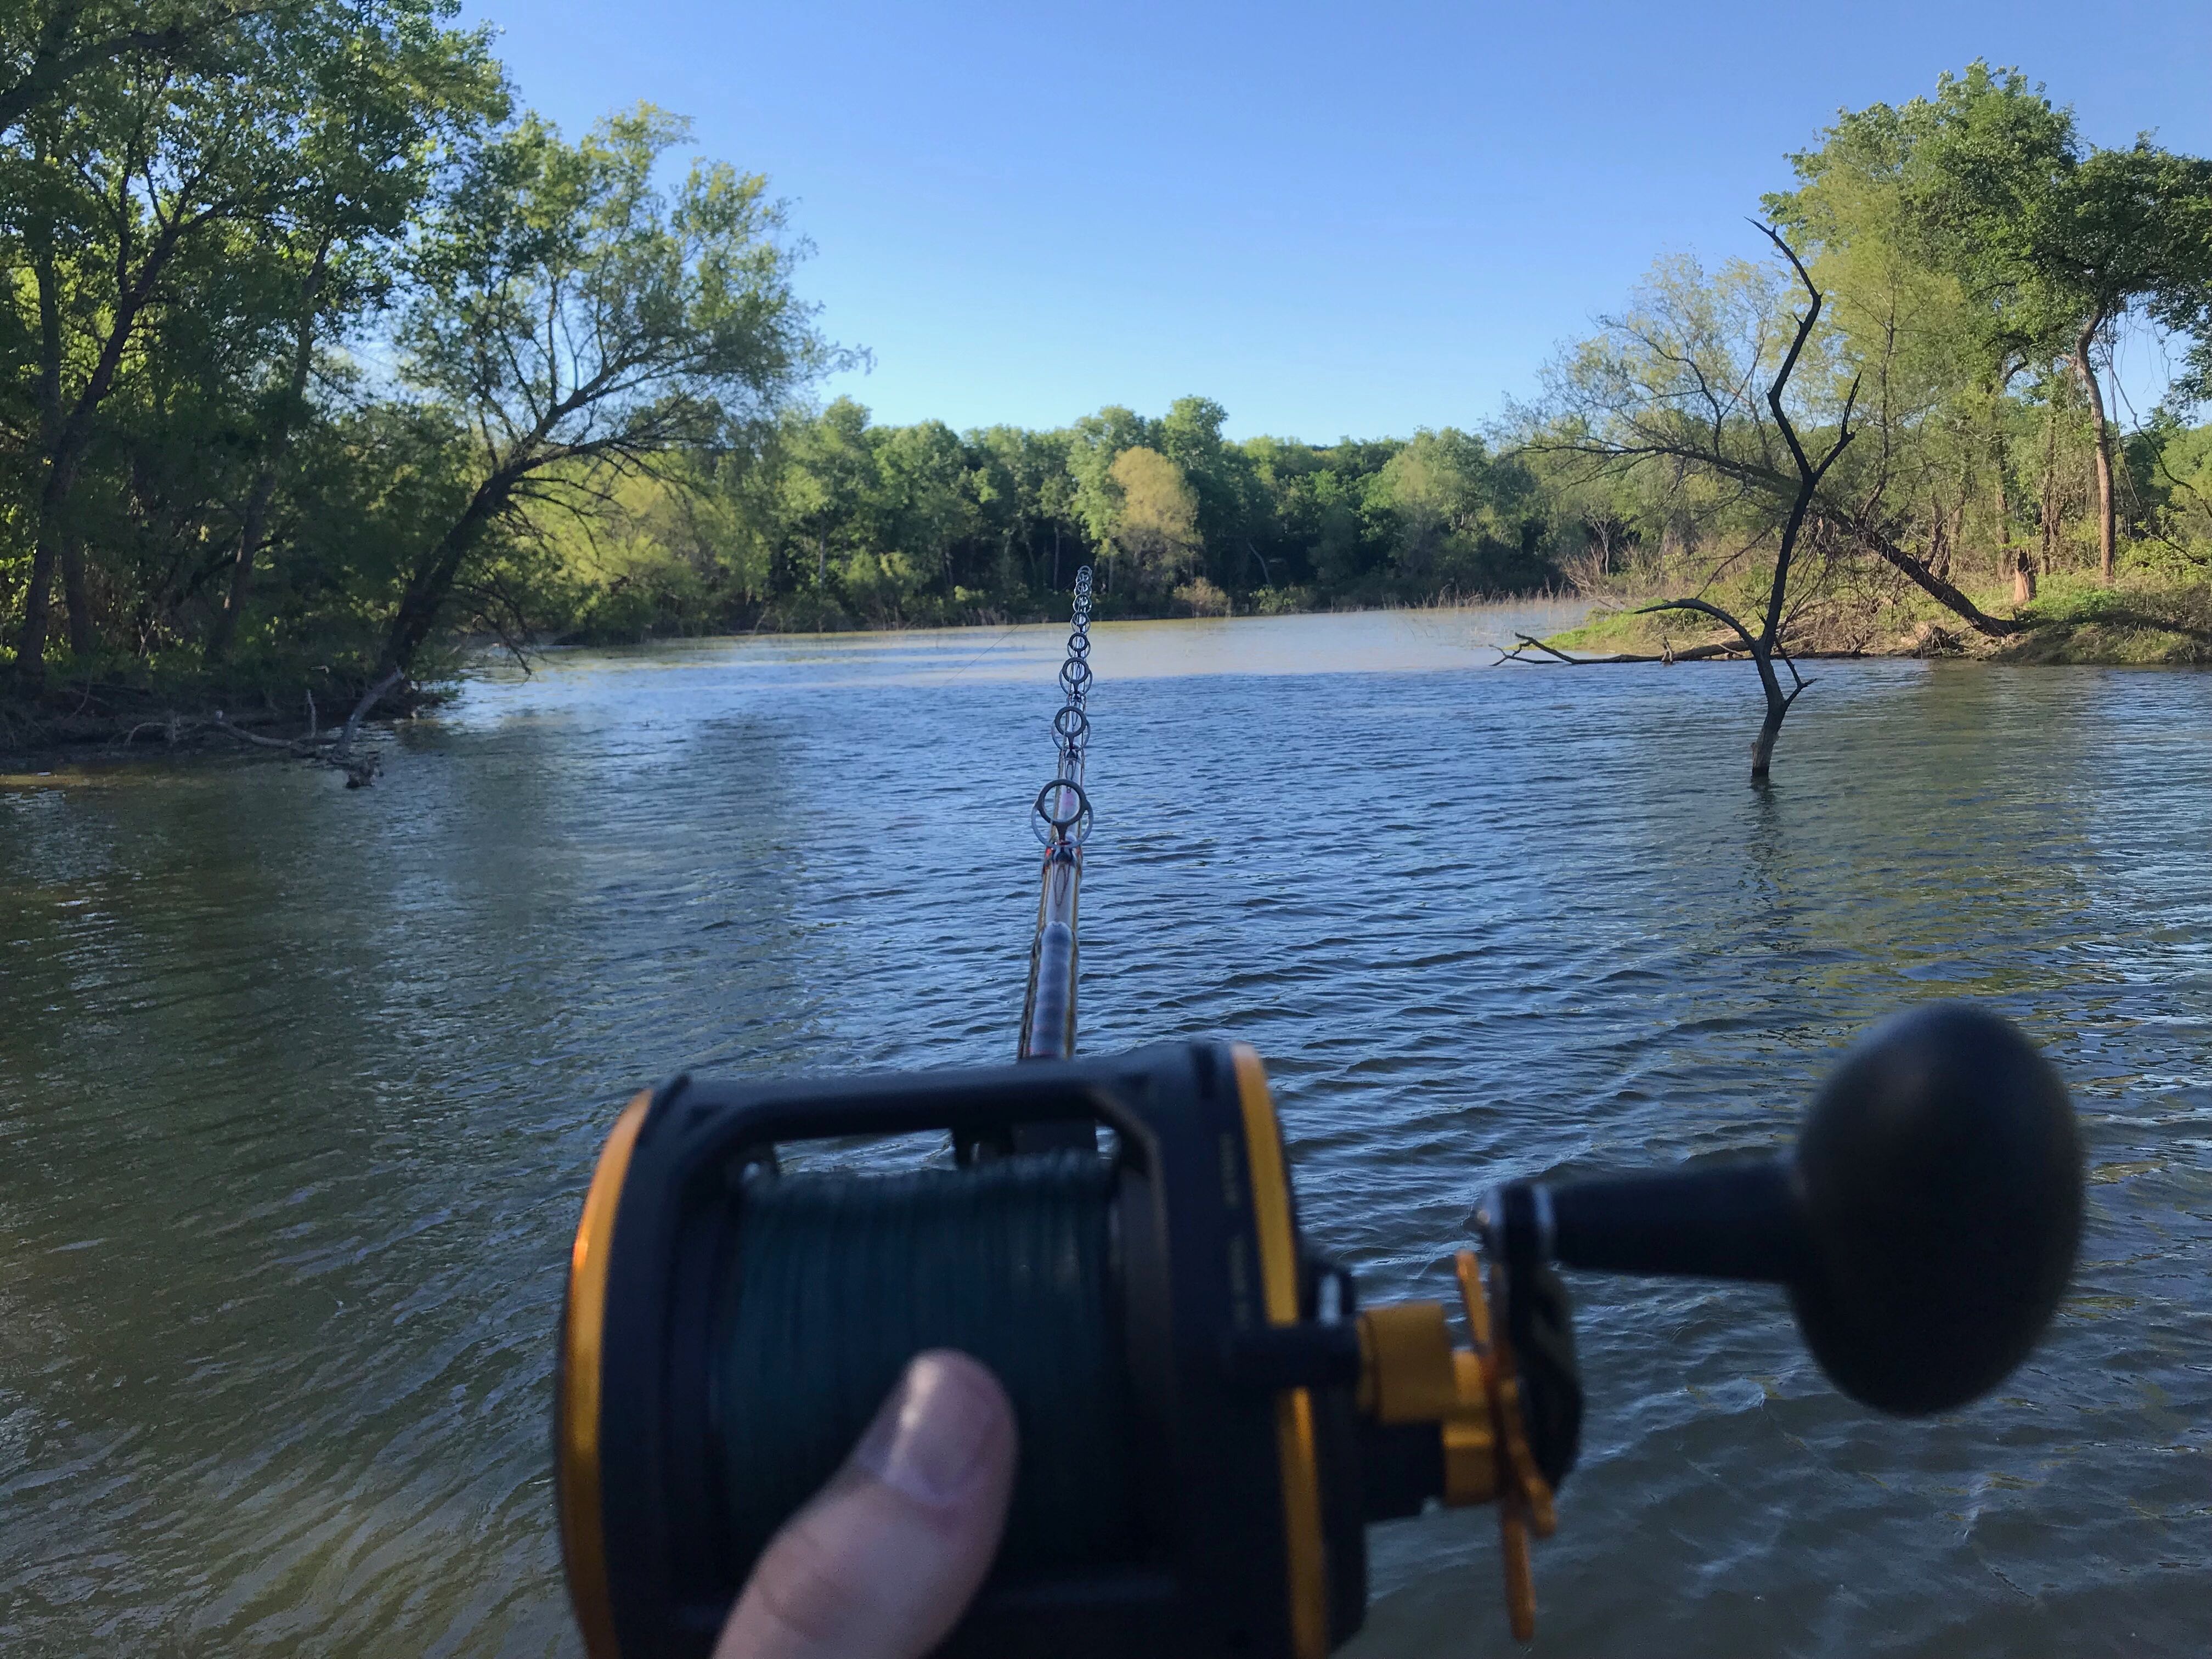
(1766, 645)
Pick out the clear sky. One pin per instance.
(1334, 219)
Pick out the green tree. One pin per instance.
(2122, 229)
(48, 48)
(580, 321)
(1223, 482)
(1668, 400)
(824, 489)
(392, 95)
(1095, 442)
(1438, 487)
(114, 190)
(922, 473)
(2051, 243)
(1156, 522)
(1027, 499)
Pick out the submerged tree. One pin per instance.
(1669, 399)
(1767, 644)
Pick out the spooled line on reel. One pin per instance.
(1209, 1417)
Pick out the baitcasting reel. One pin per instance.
(1208, 1419)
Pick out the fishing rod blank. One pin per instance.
(1061, 818)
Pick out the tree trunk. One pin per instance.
(1871, 539)
(2011, 561)
(1998, 458)
(1778, 706)
(432, 583)
(253, 524)
(2107, 527)
(76, 598)
(252, 532)
(64, 436)
(2046, 507)
(1762, 746)
(31, 638)
(1267, 576)
(54, 547)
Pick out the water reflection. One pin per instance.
(298, 1088)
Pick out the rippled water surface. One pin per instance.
(299, 1089)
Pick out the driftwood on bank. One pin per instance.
(332, 749)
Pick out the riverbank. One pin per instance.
(2142, 621)
(115, 715)
(122, 710)
(171, 705)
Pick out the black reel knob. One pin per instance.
(1925, 1224)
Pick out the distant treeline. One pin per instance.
(831, 520)
(317, 355)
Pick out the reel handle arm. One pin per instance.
(1925, 1223)
(1741, 1220)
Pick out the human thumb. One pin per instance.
(885, 1559)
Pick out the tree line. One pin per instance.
(1976, 264)
(310, 333)
(320, 354)
(832, 520)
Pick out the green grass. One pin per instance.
(2150, 616)
(2140, 621)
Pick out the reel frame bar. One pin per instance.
(1061, 818)
(1250, 1541)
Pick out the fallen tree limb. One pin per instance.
(1688, 654)
(1531, 641)
(332, 749)
(369, 699)
(305, 748)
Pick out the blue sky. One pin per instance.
(1334, 219)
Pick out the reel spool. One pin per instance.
(1208, 1420)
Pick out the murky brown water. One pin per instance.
(299, 1090)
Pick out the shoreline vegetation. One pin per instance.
(2076, 623)
(323, 361)
(2072, 623)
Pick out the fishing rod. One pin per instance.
(1061, 818)
(1209, 1418)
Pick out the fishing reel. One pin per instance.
(1208, 1418)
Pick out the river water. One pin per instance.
(300, 1087)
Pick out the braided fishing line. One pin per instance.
(1062, 814)
(835, 1281)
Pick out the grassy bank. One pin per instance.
(2145, 618)
(124, 708)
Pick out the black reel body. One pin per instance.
(1207, 1421)
(730, 1329)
